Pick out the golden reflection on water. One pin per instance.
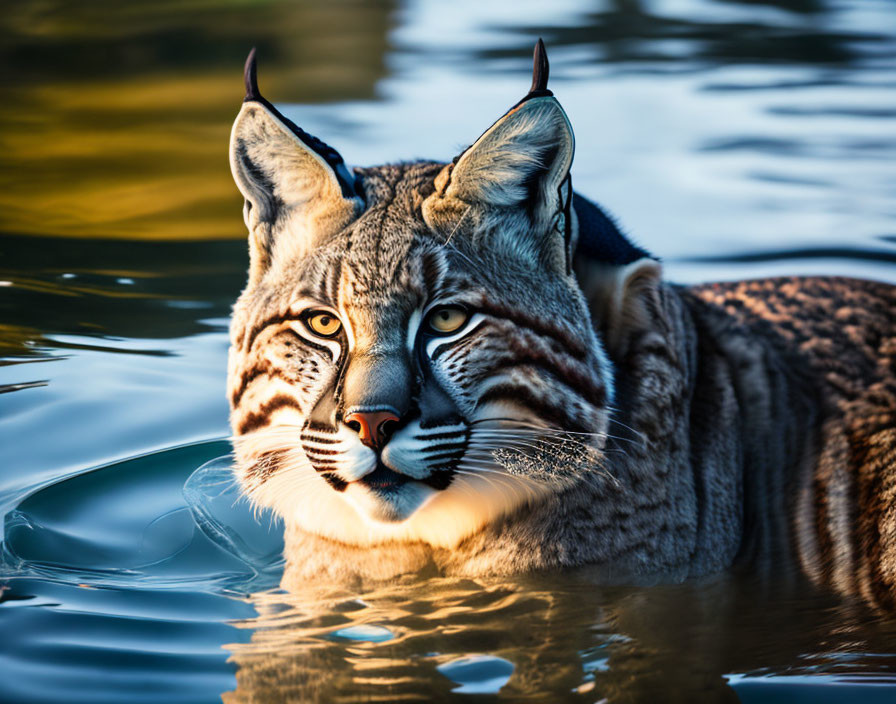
(298, 654)
(567, 640)
(104, 135)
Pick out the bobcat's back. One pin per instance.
(839, 335)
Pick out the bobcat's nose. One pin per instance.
(373, 427)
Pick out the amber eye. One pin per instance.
(323, 324)
(447, 319)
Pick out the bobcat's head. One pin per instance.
(412, 357)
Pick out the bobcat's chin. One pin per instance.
(414, 513)
(387, 501)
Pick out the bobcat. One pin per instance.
(467, 368)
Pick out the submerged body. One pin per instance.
(465, 367)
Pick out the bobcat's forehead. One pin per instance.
(388, 263)
(387, 257)
(378, 260)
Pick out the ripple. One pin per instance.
(842, 253)
(146, 520)
(365, 632)
(478, 674)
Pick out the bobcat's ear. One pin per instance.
(297, 189)
(519, 169)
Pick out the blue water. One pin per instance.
(733, 138)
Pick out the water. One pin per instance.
(733, 138)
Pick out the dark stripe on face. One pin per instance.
(259, 328)
(471, 338)
(581, 384)
(324, 465)
(442, 436)
(260, 418)
(323, 428)
(250, 375)
(575, 346)
(334, 481)
(524, 396)
(318, 453)
(313, 345)
(311, 437)
(432, 266)
(443, 421)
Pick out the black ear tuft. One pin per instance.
(250, 75)
(324, 150)
(540, 71)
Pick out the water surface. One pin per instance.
(732, 138)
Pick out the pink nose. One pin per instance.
(373, 427)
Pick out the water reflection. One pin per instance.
(558, 638)
(734, 138)
(649, 36)
(115, 115)
(685, 36)
(108, 567)
(111, 289)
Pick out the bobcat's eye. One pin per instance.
(447, 319)
(323, 324)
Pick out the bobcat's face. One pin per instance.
(412, 357)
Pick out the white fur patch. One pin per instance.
(415, 513)
(391, 507)
(441, 518)
(413, 328)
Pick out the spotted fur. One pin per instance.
(584, 412)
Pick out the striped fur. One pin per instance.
(521, 370)
(585, 412)
(827, 490)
